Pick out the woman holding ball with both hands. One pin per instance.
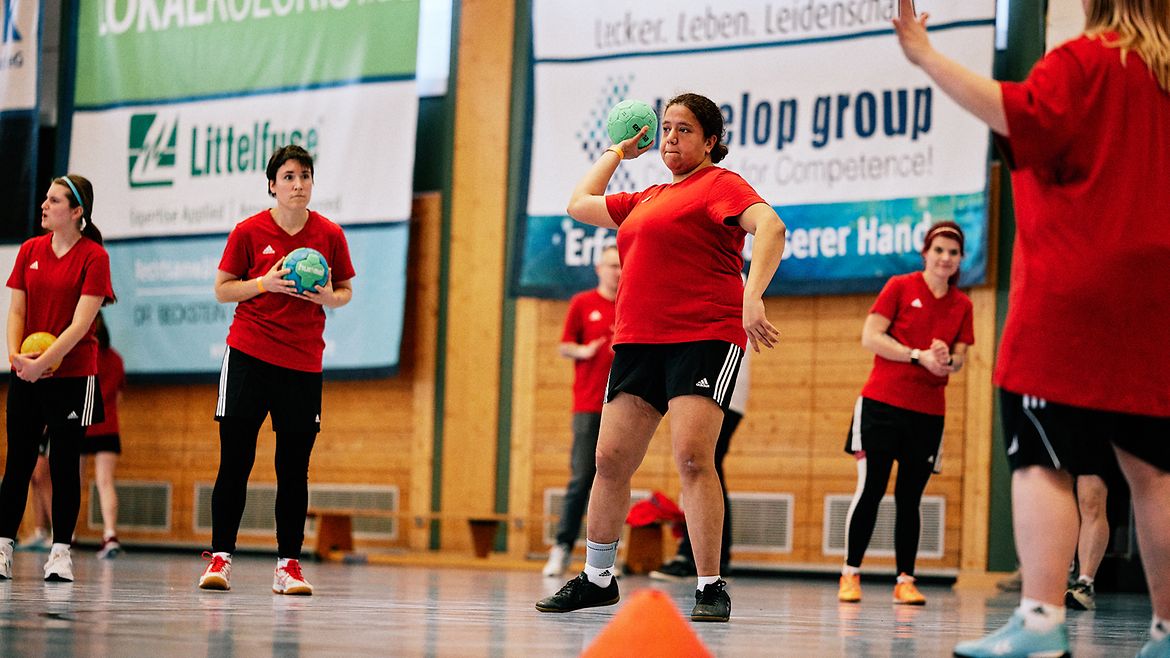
(59, 282)
(272, 364)
(682, 310)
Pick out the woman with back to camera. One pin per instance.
(919, 330)
(1084, 358)
(272, 364)
(59, 282)
(682, 312)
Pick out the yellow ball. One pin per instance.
(37, 342)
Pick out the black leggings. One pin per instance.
(912, 478)
(237, 454)
(24, 437)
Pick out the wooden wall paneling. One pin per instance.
(483, 84)
(525, 387)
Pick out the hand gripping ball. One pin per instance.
(627, 118)
(38, 342)
(308, 269)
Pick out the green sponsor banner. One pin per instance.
(157, 50)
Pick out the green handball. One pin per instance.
(627, 118)
(308, 269)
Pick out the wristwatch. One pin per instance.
(914, 354)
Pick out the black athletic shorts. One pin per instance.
(91, 445)
(251, 388)
(55, 402)
(1042, 433)
(909, 436)
(659, 373)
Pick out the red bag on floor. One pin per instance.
(655, 509)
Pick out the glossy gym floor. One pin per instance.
(146, 604)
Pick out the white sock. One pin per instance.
(1088, 580)
(847, 570)
(281, 562)
(600, 576)
(707, 580)
(59, 548)
(108, 535)
(905, 578)
(226, 556)
(1041, 617)
(1159, 629)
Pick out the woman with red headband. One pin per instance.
(919, 330)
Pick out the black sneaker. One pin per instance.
(1081, 596)
(580, 593)
(679, 568)
(713, 603)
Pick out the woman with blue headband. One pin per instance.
(59, 282)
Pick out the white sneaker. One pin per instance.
(558, 561)
(289, 580)
(59, 566)
(218, 574)
(5, 561)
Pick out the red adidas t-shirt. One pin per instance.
(1089, 310)
(53, 286)
(273, 327)
(590, 317)
(681, 260)
(917, 317)
(111, 378)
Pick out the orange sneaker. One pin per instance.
(905, 593)
(850, 589)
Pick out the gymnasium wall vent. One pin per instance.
(259, 517)
(931, 536)
(761, 522)
(142, 505)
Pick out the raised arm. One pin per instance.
(975, 93)
(587, 203)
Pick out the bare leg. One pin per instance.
(1044, 517)
(1094, 535)
(694, 429)
(627, 425)
(104, 465)
(1151, 489)
(42, 495)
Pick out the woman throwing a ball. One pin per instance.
(272, 364)
(682, 310)
(59, 282)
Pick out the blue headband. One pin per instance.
(75, 194)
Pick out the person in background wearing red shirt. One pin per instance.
(586, 339)
(1084, 357)
(103, 441)
(272, 364)
(59, 282)
(919, 330)
(682, 313)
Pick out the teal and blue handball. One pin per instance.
(308, 269)
(627, 118)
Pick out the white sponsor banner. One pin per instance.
(199, 168)
(610, 27)
(19, 54)
(821, 106)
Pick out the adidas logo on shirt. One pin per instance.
(36, 265)
(268, 251)
(72, 415)
(917, 303)
(595, 316)
(318, 418)
(1015, 446)
(702, 383)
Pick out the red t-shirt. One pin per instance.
(273, 327)
(1089, 310)
(53, 287)
(917, 317)
(111, 378)
(681, 260)
(590, 317)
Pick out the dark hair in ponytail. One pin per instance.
(76, 186)
(710, 120)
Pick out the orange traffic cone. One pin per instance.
(648, 626)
